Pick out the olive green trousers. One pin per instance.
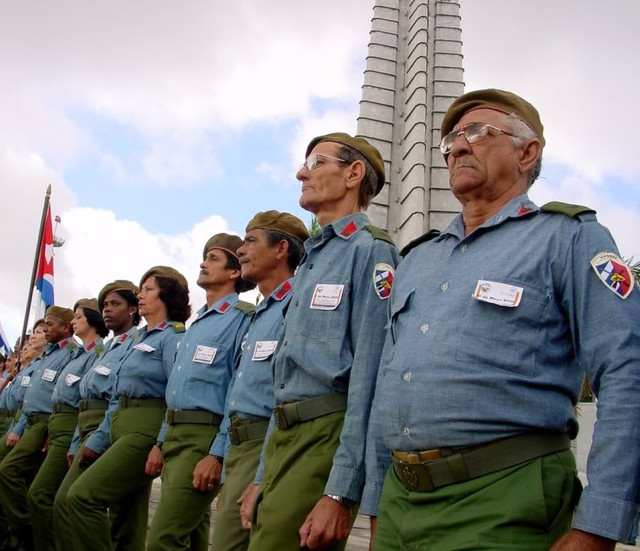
(116, 478)
(42, 492)
(182, 518)
(4, 449)
(16, 474)
(298, 464)
(522, 508)
(240, 468)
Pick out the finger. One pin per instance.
(304, 532)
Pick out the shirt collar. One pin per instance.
(95, 344)
(220, 306)
(279, 294)
(345, 227)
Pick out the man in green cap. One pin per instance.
(493, 323)
(272, 249)
(21, 464)
(327, 359)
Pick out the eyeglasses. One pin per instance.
(312, 161)
(472, 132)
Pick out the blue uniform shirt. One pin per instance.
(459, 371)
(37, 398)
(14, 393)
(67, 389)
(205, 361)
(333, 334)
(98, 384)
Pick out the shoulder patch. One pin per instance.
(614, 273)
(383, 276)
(245, 307)
(379, 233)
(431, 234)
(572, 211)
(178, 326)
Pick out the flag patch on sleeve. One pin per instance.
(614, 273)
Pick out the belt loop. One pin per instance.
(457, 467)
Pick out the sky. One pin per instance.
(159, 123)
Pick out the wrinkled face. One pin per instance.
(326, 183)
(149, 302)
(257, 258)
(79, 322)
(490, 165)
(56, 329)
(214, 271)
(116, 311)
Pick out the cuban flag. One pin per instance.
(44, 275)
(5, 348)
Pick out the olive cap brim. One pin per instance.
(63, 314)
(117, 285)
(282, 222)
(168, 272)
(225, 241)
(87, 303)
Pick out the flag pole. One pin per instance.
(45, 206)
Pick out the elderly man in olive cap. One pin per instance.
(327, 359)
(20, 466)
(190, 446)
(493, 324)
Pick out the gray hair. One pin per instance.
(369, 183)
(523, 133)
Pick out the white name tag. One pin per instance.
(501, 294)
(263, 349)
(102, 370)
(204, 354)
(144, 347)
(326, 296)
(25, 380)
(48, 375)
(70, 379)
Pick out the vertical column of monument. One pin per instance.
(413, 72)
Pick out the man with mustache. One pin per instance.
(493, 323)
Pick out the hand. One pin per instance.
(88, 456)
(153, 467)
(577, 540)
(247, 504)
(70, 457)
(372, 527)
(206, 475)
(328, 522)
(45, 445)
(12, 439)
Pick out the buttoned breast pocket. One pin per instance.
(493, 335)
(325, 313)
(400, 301)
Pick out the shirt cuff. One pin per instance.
(370, 499)
(218, 446)
(607, 517)
(97, 443)
(344, 482)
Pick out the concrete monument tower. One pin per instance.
(413, 73)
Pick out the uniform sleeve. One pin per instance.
(169, 351)
(163, 432)
(606, 337)
(19, 425)
(75, 442)
(100, 439)
(367, 323)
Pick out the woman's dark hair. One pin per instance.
(233, 263)
(175, 297)
(132, 300)
(94, 319)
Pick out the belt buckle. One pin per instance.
(281, 418)
(429, 455)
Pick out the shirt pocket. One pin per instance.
(317, 324)
(399, 303)
(499, 336)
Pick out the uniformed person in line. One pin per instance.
(118, 304)
(22, 463)
(493, 323)
(6, 414)
(135, 415)
(89, 327)
(189, 445)
(270, 253)
(327, 361)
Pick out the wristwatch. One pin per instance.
(341, 500)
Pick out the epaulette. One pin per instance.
(100, 348)
(178, 326)
(379, 233)
(572, 211)
(431, 234)
(245, 307)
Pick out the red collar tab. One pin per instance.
(163, 325)
(63, 343)
(90, 347)
(349, 230)
(283, 291)
(524, 210)
(122, 338)
(224, 307)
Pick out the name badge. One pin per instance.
(263, 349)
(501, 294)
(204, 354)
(70, 379)
(326, 296)
(102, 370)
(25, 380)
(49, 375)
(144, 347)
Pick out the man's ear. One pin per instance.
(529, 155)
(355, 174)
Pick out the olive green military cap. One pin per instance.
(117, 285)
(88, 303)
(360, 145)
(498, 100)
(282, 222)
(63, 314)
(168, 272)
(224, 241)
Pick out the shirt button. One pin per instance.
(285, 343)
(239, 374)
(464, 248)
(406, 431)
(444, 286)
(406, 376)
(297, 302)
(424, 328)
(233, 402)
